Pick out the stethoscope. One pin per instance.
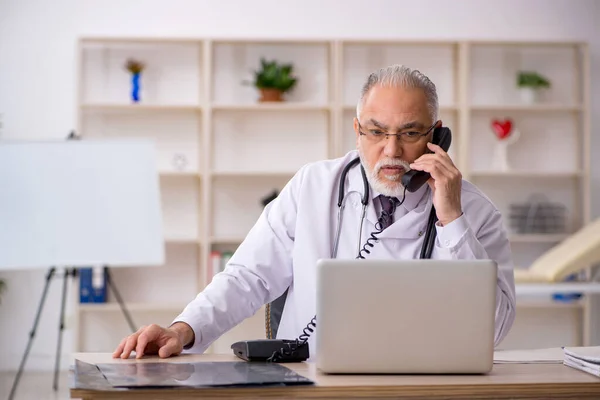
(430, 233)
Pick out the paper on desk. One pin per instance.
(586, 359)
(589, 353)
(581, 365)
(553, 355)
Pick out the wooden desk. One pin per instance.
(523, 381)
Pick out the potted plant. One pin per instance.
(529, 84)
(273, 80)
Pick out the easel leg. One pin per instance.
(113, 287)
(61, 327)
(49, 276)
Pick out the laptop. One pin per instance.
(411, 316)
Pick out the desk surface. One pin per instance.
(524, 381)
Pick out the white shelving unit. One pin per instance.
(537, 238)
(220, 151)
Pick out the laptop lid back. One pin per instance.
(414, 316)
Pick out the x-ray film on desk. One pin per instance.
(199, 374)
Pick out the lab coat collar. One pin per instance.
(417, 204)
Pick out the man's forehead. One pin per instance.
(387, 113)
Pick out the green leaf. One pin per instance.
(532, 79)
(273, 75)
(286, 69)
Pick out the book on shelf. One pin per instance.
(92, 284)
(225, 257)
(218, 261)
(586, 359)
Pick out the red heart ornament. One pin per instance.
(502, 129)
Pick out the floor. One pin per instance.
(35, 386)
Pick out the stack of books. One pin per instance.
(585, 359)
(218, 261)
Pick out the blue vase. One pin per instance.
(135, 87)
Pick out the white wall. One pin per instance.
(37, 74)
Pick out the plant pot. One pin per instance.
(529, 95)
(270, 95)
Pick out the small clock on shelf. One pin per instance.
(179, 162)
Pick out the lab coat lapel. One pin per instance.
(413, 224)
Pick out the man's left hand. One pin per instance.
(445, 182)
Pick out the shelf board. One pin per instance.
(274, 106)
(179, 173)
(227, 240)
(139, 107)
(112, 307)
(526, 174)
(540, 289)
(442, 108)
(270, 41)
(181, 240)
(548, 303)
(522, 43)
(537, 238)
(139, 40)
(257, 174)
(526, 108)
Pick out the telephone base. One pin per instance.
(262, 349)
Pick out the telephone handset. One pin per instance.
(413, 179)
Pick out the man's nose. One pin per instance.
(393, 146)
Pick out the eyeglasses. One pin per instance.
(376, 135)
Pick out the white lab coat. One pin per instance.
(298, 228)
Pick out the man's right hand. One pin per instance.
(155, 339)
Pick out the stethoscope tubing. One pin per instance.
(430, 233)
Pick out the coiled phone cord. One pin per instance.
(292, 347)
(385, 216)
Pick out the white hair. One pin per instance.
(401, 76)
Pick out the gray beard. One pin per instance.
(385, 187)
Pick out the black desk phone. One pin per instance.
(413, 179)
(278, 350)
(263, 350)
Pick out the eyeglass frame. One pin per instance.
(398, 135)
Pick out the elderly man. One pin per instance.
(397, 115)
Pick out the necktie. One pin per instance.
(388, 206)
